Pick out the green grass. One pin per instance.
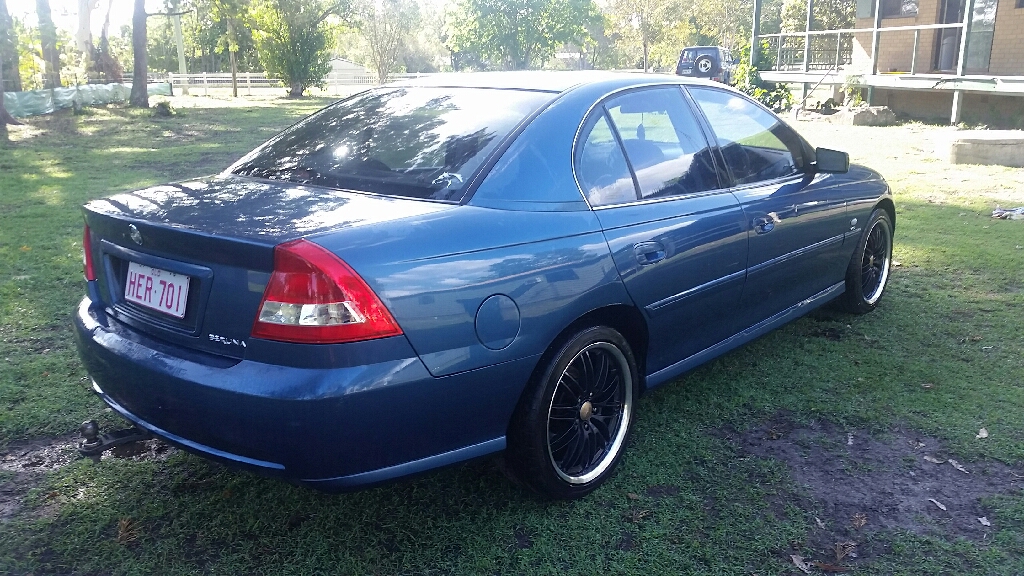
(686, 499)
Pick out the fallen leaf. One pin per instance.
(897, 263)
(937, 503)
(127, 530)
(859, 520)
(25, 248)
(844, 549)
(984, 521)
(849, 439)
(927, 385)
(829, 567)
(819, 523)
(987, 348)
(934, 460)
(958, 466)
(633, 496)
(798, 561)
(983, 433)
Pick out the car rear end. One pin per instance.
(215, 318)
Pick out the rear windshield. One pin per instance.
(416, 142)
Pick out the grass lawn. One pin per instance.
(827, 439)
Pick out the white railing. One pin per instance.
(205, 82)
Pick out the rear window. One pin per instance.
(690, 54)
(417, 142)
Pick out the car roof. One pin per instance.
(543, 80)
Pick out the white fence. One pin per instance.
(219, 82)
(206, 83)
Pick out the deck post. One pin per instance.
(875, 39)
(807, 50)
(755, 31)
(913, 57)
(961, 64)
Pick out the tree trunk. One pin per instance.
(140, 76)
(5, 117)
(9, 51)
(295, 91)
(48, 36)
(234, 65)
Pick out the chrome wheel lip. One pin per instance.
(886, 249)
(613, 448)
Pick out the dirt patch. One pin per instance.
(860, 484)
(24, 465)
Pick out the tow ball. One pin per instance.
(94, 444)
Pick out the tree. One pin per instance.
(9, 51)
(293, 39)
(5, 117)
(140, 73)
(519, 34)
(385, 25)
(232, 13)
(103, 60)
(646, 20)
(83, 36)
(48, 36)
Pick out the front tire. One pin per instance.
(571, 425)
(868, 273)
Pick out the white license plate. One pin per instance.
(157, 289)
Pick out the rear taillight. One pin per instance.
(314, 297)
(87, 267)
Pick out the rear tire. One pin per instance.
(570, 428)
(868, 273)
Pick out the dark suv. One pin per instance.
(712, 62)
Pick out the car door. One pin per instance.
(676, 235)
(795, 222)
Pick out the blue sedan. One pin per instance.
(467, 265)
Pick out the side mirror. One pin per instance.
(832, 161)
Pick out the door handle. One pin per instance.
(649, 252)
(766, 224)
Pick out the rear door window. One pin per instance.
(664, 144)
(600, 166)
(756, 145)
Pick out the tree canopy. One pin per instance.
(293, 39)
(519, 34)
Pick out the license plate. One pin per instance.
(157, 289)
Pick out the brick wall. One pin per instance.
(1008, 40)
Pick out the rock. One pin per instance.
(865, 116)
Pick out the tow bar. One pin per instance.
(94, 444)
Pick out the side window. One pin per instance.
(664, 144)
(601, 167)
(756, 145)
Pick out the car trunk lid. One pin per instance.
(188, 263)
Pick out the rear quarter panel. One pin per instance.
(433, 273)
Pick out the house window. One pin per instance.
(897, 8)
(1020, 3)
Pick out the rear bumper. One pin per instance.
(334, 428)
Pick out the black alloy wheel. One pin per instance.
(571, 426)
(868, 273)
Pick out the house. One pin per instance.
(926, 59)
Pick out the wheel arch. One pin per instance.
(890, 208)
(623, 318)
